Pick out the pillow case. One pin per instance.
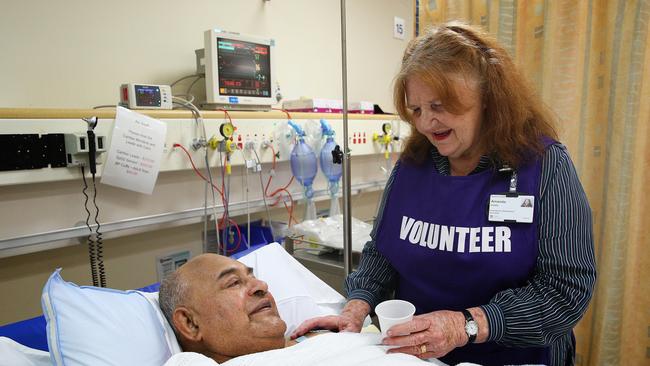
(298, 293)
(99, 326)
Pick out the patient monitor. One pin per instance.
(238, 71)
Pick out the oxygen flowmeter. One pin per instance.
(385, 138)
(227, 145)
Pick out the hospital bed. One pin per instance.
(31, 332)
(96, 326)
(109, 329)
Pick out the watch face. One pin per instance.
(471, 328)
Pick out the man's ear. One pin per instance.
(186, 324)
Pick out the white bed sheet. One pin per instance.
(340, 349)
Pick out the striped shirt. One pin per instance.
(544, 312)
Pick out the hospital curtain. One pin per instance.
(590, 61)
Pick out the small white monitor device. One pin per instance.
(145, 96)
(238, 71)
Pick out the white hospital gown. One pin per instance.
(340, 349)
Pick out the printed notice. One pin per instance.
(136, 151)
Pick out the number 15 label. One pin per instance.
(399, 30)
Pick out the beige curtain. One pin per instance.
(590, 61)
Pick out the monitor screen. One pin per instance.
(244, 68)
(147, 96)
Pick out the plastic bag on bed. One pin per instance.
(328, 231)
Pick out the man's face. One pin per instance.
(234, 310)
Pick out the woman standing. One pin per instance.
(494, 280)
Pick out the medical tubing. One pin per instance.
(230, 221)
(196, 113)
(195, 169)
(265, 189)
(225, 204)
(189, 88)
(266, 206)
(326, 128)
(205, 217)
(190, 98)
(225, 111)
(248, 216)
(185, 77)
(299, 131)
(227, 191)
(205, 179)
(248, 211)
(91, 241)
(283, 110)
(214, 203)
(101, 271)
(238, 236)
(198, 119)
(226, 219)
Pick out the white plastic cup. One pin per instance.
(393, 312)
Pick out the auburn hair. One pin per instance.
(514, 118)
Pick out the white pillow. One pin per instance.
(16, 354)
(99, 326)
(299, 294)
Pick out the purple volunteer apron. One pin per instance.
(448, 256)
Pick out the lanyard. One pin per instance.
(513, 178)
(513, 182)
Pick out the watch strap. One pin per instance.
(469, 318)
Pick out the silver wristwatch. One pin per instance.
(471, 326)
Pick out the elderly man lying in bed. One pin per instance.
(221, 313)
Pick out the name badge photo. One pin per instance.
(511, 208)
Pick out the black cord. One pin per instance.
(92, 250)
(99, 250)
(95, 247)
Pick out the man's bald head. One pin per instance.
(217, 307)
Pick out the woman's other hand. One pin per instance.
(350, 320)
(428, 335)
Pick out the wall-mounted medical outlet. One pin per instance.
(31, 151)
(77, 146)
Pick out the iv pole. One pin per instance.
(347, 186)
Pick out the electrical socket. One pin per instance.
(198, 143)
(76, 148)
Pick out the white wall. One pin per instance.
(76, 53)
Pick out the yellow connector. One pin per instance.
(228, 168)
(213, 142)
(375, 136)
(230, 146)
(387, 139)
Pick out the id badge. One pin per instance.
(511, 208)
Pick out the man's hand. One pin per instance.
(350, 320)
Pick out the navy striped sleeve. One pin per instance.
(374, 279)
(545, 310)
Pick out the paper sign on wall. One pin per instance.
(137, 144)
